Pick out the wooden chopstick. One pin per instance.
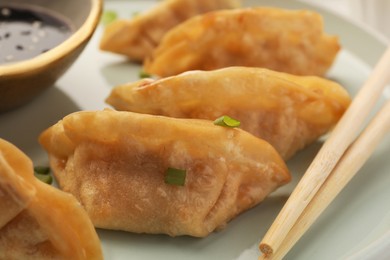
(341, 137)
(349, 164)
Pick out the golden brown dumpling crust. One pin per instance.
(138, 37)
(287, 111)
(38, 221)
(281, 40)
(115, 162)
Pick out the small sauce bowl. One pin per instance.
(23, 80)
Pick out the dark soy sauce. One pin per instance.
(26, 33)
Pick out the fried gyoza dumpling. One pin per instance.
(38, 221)
(287, 111)
(281, 40)
(115, 163)
(137, 38)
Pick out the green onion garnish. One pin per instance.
(142, 74)
(108, 17)
(227, 121)
(46, 178)
(42, 169)
(175, 176)
(43, 174)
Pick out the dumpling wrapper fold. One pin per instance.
(38, 221)
(284, 40)
(137, 38)
(287, 111)
(115, 164)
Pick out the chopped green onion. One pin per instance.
(108, 17)
(43, 174)
(46, 178)
(227, 121)
(175, 176)
(143, 74)
(42, 170)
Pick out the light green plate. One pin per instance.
(359, 215)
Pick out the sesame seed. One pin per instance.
(36, 24)
(5, 12)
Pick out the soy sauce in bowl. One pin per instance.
(27, 32)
